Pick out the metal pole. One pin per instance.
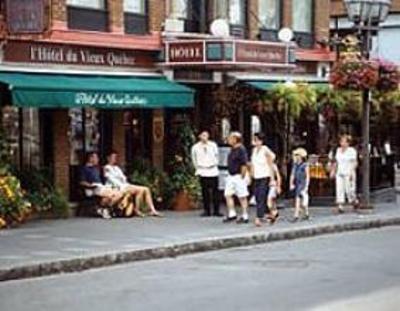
(365, 200)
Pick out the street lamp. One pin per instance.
(366, 16)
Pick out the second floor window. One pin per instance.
(231, 10)
(135, 6)
(236, 12)
(179, 9)
(302, 16)
(135, 17)
(269, 13)
(92, 4)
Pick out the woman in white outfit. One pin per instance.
(116, 178)
(344, 171)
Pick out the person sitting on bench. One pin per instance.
(93, 186)
(116, 179)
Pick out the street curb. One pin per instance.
(98, 261)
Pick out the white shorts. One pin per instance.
(236, 185)
(273, 193)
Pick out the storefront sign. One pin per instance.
(25, 16)
(31, 52)
(227, 52)
(186, 51)
(260, 53)
(108, 99)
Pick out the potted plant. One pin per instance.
(145, 174)
(185, 187)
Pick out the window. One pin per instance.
(135, 6)
(221, 8)
(269, 13)
(302, 15)
(87, 15)
(135, 17)
(232, 10)
(179, 9)
(255, 125)
(94, 4)
(236, 12)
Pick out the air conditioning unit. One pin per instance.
(174, 25)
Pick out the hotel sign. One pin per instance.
(25, 16)
(47, 53)
(181, 52)
(227, 52)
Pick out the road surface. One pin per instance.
(351, 271)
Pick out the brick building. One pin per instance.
(105, 55)
(79, 76)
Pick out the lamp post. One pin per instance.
(366, 16)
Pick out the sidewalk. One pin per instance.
(53, 246)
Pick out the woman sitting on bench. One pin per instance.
(93, 185)
(116, 178)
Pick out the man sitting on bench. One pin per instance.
(93, 185)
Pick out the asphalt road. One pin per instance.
(352, 271)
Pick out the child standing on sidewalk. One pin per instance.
(299, 182)
(275, 189)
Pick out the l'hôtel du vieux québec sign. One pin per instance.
(33, 52)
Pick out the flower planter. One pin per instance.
(183, 202)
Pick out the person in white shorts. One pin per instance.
(344, 172)
(236, 181)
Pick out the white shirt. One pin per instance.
(261, 167)
(346, 161)
(115, 177)
(205, 159)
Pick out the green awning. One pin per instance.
(269, 85)
(71, 91)
(262, 85)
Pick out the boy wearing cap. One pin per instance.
(299, 183)
(236, 184)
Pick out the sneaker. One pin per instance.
(306, 217)
(294, 220)
(229, 219)
(105, 213)
(242, 220)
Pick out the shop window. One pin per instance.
(89, 15)
(255, 125)
(225, 129)
(135, 16)
(303, 22)
(269, 15)
(84, 133)
(11, 125)
(22, 130)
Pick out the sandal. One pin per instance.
(156, 214)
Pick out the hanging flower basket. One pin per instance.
(389, 76)
(355, 75)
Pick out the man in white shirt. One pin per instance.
(205, 160)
